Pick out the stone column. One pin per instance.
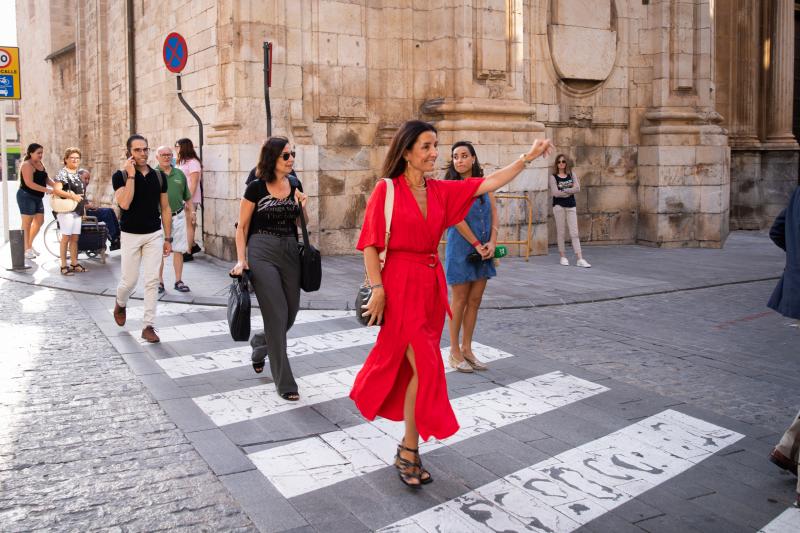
(779, 129)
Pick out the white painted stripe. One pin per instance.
(254, 402)
(135, 310)
(199, 330)
(786, 522)
(569, 490)
(196, 364)
(316, 462)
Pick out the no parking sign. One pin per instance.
(9, 73)
(175, 52)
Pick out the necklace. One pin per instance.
(417, 187)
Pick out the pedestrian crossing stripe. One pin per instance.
(320, 461)
(786, 522)
(202, 363)
(255, 402)
(569, 490)
(198, 330)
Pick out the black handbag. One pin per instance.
(310, 261)
(364, 292)
(239, 307)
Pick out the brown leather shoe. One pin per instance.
(782, 461)
(119, 314)
(149, 334)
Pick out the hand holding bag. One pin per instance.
(62, 205)
(364, 292)
(310, 261)
(239, 307)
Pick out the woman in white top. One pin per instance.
(191, 166)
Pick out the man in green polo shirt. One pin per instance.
(180, 202)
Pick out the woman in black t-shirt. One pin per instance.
(563, 186)
(266, 245)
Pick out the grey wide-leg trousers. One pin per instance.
(275, 273)
(789, 445)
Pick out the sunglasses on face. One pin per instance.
(287, 155)
(560, 161)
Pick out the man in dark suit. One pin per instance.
(785, 232)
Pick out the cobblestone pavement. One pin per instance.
(645, 414)
(719, 348)
(83, 445)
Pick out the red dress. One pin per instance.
(416, 303)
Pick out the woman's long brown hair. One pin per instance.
(395, 164)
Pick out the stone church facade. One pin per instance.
(677, 114)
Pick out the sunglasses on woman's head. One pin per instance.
(285, 155)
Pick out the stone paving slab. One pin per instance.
(713, 354)
(617, 272)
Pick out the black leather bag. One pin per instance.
(362, 297)
(310, 261)
(239, 307)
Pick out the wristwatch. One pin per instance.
(168, 239)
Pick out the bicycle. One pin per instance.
(52, 241)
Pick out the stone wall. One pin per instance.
(626, 90)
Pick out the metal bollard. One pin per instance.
(17, 248)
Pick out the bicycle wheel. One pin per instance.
(52, 238)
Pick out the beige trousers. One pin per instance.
(571, 216)
(789, 445)
(137, 250)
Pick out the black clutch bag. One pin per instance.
(239, 307)
(362, 297)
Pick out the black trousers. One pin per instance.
(275, 273)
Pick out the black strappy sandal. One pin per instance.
(424, 476)
(411, 470)
(79, 268)
(258, 366)
(291, 396)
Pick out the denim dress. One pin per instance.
(457, 268)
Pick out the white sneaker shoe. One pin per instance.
(564, 261)
(583, 263)
(30, 254)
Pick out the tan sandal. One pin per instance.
(474, 362)
(460, 366)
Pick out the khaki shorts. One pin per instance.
(179, 244)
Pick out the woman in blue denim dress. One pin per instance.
(467, 277)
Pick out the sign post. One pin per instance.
(9, 90)
(176, 53)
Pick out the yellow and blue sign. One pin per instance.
(9, 73)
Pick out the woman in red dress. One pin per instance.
(403, 376)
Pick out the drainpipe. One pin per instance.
(131, 67)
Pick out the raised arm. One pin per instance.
(501, 177)
(124, 195)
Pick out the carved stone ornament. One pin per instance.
(583, 39)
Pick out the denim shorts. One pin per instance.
(29, 204)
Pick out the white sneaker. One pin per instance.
(583, 263)
(30, 254)
(564, 261)
(35, 252)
